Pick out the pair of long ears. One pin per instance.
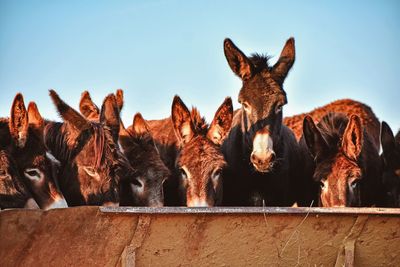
(109, 114)
(388, 142)
(90, 110)
(352, 140)
(184, 125)
(21, 119)
(242, 66)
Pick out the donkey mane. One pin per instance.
(199, 122)
(332, 127)
(56, 138)
(260, 62)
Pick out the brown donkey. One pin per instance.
(343, 160)
(138, 146)
(345, 106)
(91, 164)
(262, 154)
(191, 149)
(22, 138)
(391, 165)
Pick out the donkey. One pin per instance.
(345, 106)
(391, 165)
(192, 151)
(91, 164)
(262, 154)
(138, 146)
(13, 192)
(343, 161)
(22, 138)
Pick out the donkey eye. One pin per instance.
(32, 174)
(90, 171)
(322, 184)
(246, 106)
(217, 174)
(137, 182)
(183, 173)
(354, 183)
(278, 109)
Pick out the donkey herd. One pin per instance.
(248, 157)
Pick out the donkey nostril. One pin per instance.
(253, 158)
(272, 157)
(256, 160)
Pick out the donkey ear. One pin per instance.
(125, 137)
(68, 114)
(387, 140)
(87, 107)
(237, 60)
(315, 142)
(109, 115)
(34, 117)
(19, 121)
(285, 62)
(183, 126)
(221, 123)
(119, 95)
(139, 125)
(353, 138)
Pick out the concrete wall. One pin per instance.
(92, 236)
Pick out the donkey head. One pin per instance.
(391, 164)
(13, 192)
(336, 144)
(200, 160)
(262, 98)
(139, 147)
(89, 153)
(36, 168)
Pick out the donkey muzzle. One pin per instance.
(263, 162)
(263, 155)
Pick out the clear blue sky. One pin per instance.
(156, 49)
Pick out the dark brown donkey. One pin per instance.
(13, 192)
(138, 146)
(345, 106)
(191, 149)
(22, 138)
(391, 165)
(343, 161)
(91, 164)
(262, 154)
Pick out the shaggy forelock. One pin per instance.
(332, 127)
(260, 62)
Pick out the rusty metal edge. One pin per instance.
(253, 210)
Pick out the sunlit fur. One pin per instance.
(345, 106)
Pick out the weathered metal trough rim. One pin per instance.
(252, 210)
